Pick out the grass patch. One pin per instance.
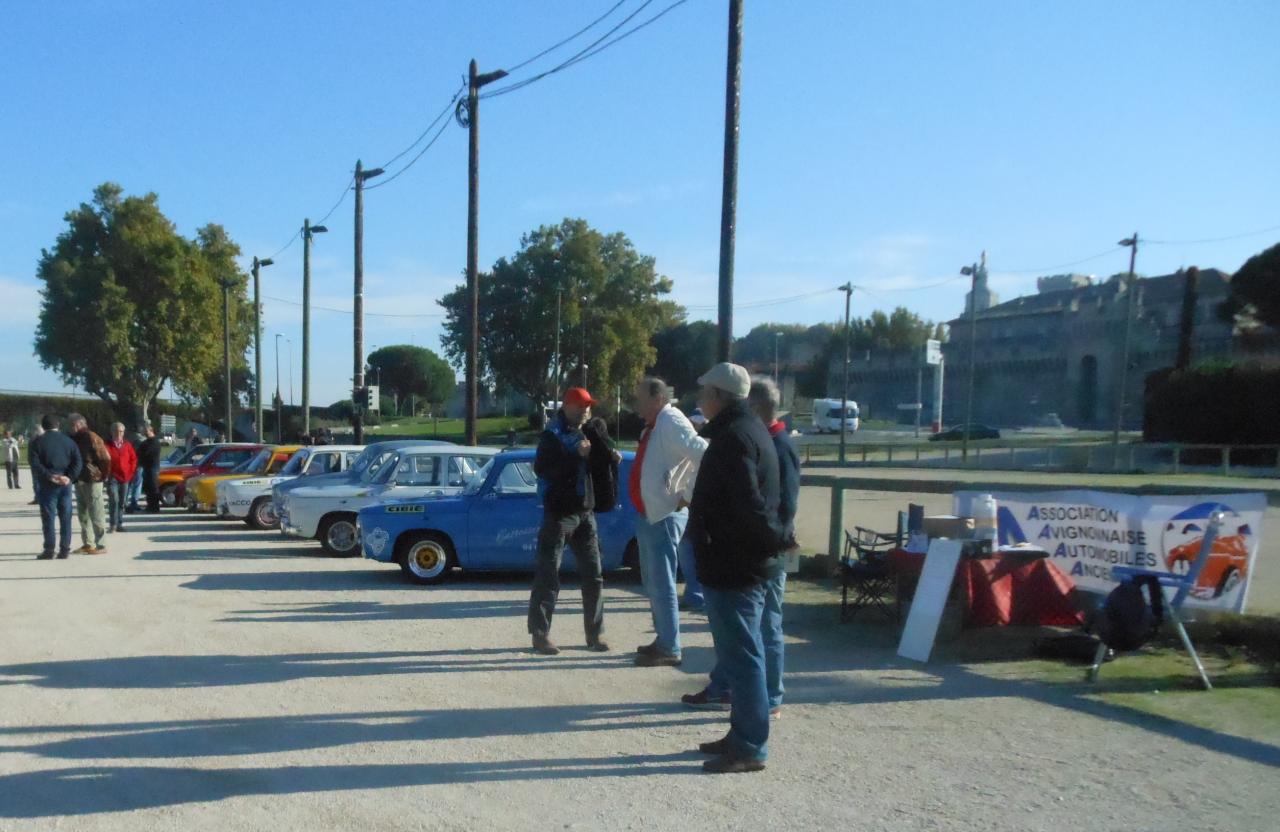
(489, 431)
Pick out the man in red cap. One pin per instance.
(568, 503)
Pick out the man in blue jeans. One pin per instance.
(737, 541)
(660, 485)
(765, 399)
(55, 463)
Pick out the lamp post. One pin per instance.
(308, 231)
(977, 272)
(279, 401)
(844, 388)
(257, 343)
(776, 336)
(357, 381)
(1122, 374)
(227, 285)
(289, 341)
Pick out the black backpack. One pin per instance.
(1128, 618)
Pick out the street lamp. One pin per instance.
(308, 230)
(279, 401)
(357, 381)
(227, 286)
(977, 271)
(1122, 376)
(257, 343)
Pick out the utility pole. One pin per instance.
(357, 383)
(257, 344)
(1122, 374)
(978, 272)
(844, 387)
(776, 336)
(474, 82)
(729, 194)
(919, 396)
(308, 231)
(226, 349)
(556, 401)
(279, 401)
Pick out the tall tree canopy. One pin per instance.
(684, 351)
(129, 304)
(1255, 291)
(901, 329)
(408, 370)
(611, 304)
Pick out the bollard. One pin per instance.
(1226, 460)
(1177, 458)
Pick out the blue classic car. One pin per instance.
(492, 525)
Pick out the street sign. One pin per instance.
(168, 425)
(375, 397)
(932, 352)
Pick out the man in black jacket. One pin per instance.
(737, 540)
(55, 463)
(568, 502)
(149, 469)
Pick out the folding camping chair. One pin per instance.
(1183, 584)
(865, 573)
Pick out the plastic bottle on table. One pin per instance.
(984, 519)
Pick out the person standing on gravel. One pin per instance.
(737, 540)
(11, 458)
(96, 470)
(660, 484)
(149, 466)
(568, 503)
(55, 463)
(124, 464)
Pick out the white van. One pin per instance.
(826, 415)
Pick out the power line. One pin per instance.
(346, 189)
(393, 177)
(592, 49)
(298, 233)
(349, 312)
(1050, 269)
(556, 46)
(447, 108)
(755, 304)
(285, 247)
(1212, 239)
(914, 288)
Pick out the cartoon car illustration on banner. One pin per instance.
(1228, 561)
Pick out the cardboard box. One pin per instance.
(950, 526)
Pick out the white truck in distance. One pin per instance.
(827, 414)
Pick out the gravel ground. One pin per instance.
(203, 676)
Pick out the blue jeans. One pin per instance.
(693, 596)
(135, 488)
(115, 503)
(735, 616)
(658, 544)
(774, 649)
(55, 503)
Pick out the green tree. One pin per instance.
(1254, 291)
(901, 329)
(683, 352)
(407, 370)
(128, 304)
(611, 305)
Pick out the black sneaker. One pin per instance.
(63, 555)
(597, 645)
(732, 765)
(658, 660)
(45, 556)
(650, 649)
(716, 748)
(702, 701)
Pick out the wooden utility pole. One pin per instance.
(308, 231)
(357, 376)
(226, 350)
(474, 82)
(1122, 372)
(729, 193)
(844, 386)
(257, 345)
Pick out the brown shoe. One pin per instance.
(545, 646)
(657, 660)
(597, 645)
(101, 550)
(86, 549)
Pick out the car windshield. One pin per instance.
(295, 464)
(476, 480)
(378, 468)
(191, 457)
(255, 464)
(277, 462)
(361, 463)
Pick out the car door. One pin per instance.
(416, 476)
(504, 518)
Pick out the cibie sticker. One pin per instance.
(405, 509)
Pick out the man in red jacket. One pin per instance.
(124, 463)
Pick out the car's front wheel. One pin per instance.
(1230, 581)
(169, 495)
(338, 535)
(262, 514)
(425, 558)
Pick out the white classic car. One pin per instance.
(328, 512)
(250, 500)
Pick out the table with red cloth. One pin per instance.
(1006, 587)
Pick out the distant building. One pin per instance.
(1056, 351)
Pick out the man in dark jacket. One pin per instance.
(568, 502)
(55, 464)
(737, 541)
(89, 488)
(149, 467)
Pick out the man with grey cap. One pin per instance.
(737, 539)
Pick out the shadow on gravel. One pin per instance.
(348, 611)
(377, 577)
(83, 791)
(226, 554)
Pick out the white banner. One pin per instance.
(1088, 532)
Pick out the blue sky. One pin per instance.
(882, 143)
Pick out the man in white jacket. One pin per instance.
(660, 486)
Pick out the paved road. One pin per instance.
(202, 676)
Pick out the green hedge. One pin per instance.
(1213, 404)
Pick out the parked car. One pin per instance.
(975, 432)
(328, 513)
(827, 415)
(216, 459)
(250, 499)
(492, 525)
(354, 471)
(184, 456)
(202, 491)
